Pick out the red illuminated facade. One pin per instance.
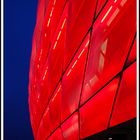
(82, 78)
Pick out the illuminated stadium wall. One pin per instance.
(83, 70)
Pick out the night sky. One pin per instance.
(19, 22)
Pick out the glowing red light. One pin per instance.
(83, 67)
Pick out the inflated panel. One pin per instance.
(95, 114)
(51, 23)
(55, 107)
(110, 44)
(83, 60)
(56, 55)
(56, 135)
(72, 81)
(125, 105)
(80, 19)
(70, 128)
(44, 128)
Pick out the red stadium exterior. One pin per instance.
(82, 82)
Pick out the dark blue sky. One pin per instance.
(19, 22)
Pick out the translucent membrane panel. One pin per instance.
(80, 17)
(44, 42)
(100, 5)
(35, 54)
(95, 114)
(42, 4)
(36, 40)
(132, 55)
(59, 10)
(32, 78)
(44, 127)
(42, 54)
(40, 13)
(51, 116)
(50, 24)
(37, 36)
(33, 125)
(32, 110)
(34, 107)
(56, 55)
(43, 36)
(70, 128)
(31, 99)
(55, 108)
(125, 105)
(72, 81)
(41, 94)
(34, 50)
(57, 135)
(33, 83)
(111, 40)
